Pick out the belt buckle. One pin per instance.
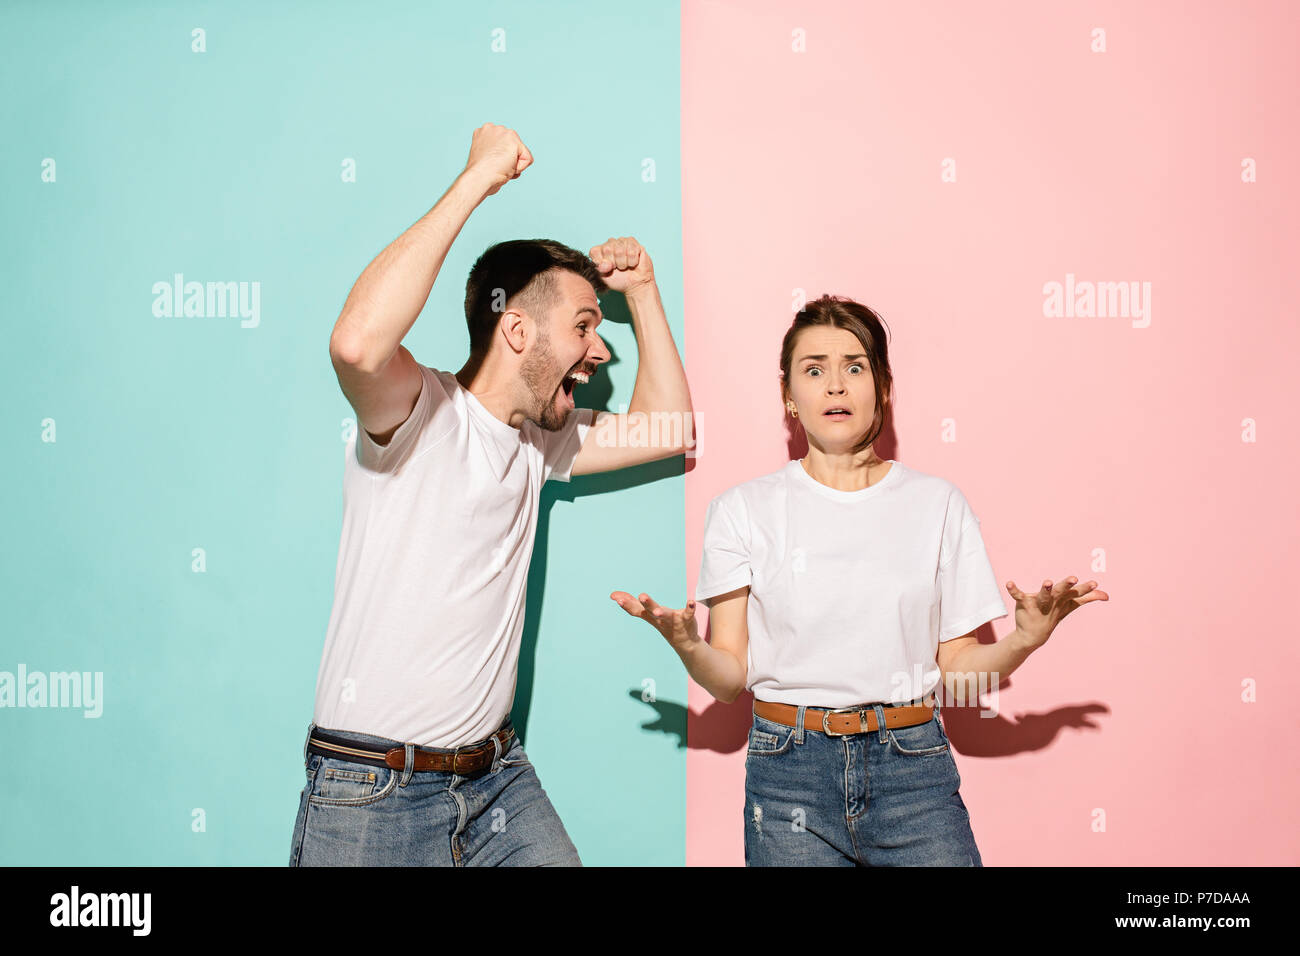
(455, 755)
(860, 711)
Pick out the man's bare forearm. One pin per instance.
(387, 298)
(660, 379)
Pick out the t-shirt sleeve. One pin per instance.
(560, 449)
(725, 564)
(968, 590)
(413, 432)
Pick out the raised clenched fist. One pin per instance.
(623, 263)
(498, 155)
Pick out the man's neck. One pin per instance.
(495, 387)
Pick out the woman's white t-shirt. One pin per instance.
(850, 591)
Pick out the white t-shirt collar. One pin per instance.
(796, 470)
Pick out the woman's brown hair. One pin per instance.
(843, 313)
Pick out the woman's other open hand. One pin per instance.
(676, 625)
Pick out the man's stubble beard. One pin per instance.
(537, 372)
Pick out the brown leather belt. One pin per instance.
(845, 720)
(461, 760)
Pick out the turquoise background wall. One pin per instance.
(173, 484)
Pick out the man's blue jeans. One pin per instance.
(886, 798)
(357, 814)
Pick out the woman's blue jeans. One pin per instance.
(357, 814)
(885, 798)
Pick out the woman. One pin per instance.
(842, 589)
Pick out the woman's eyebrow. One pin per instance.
(822, 358)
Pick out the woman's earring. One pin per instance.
(793, 411)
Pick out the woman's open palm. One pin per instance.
(1038, 614)
(677, 625)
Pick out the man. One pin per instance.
(411, 757)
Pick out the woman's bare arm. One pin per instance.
(719, 665)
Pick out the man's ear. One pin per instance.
(514, 326)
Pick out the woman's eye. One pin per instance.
(813, 370)
(858, 367)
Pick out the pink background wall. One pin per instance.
(1078, 440)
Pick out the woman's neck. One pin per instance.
(845, 471)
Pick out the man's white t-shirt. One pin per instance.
(850, 591)
(438, 528)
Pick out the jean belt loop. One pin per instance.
(408, 767)
(496, 751)
(881, 729)
(798, 724)
(311, 728)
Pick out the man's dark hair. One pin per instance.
(523, 267)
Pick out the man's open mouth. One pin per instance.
(577, 376)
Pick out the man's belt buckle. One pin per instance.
(456, 755)
(826, 727)
(396, 758)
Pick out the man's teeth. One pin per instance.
(580, 377)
